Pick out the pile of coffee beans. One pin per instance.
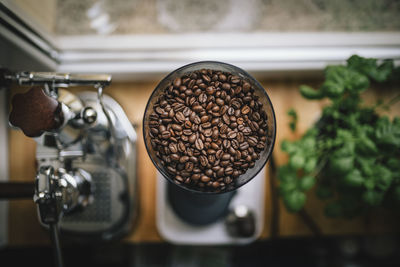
(207, 128)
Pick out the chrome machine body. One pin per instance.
(86, 179)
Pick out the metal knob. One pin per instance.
(34, 112)
(240, 222)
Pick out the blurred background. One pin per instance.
(284, 44)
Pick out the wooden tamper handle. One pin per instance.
(34, 112)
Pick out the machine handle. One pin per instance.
(35, 112)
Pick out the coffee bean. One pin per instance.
(195, 176)
(203, 160)
(203, 98)
(245, 110)
(219, 101)
(223, 110)
(215, 134)
(180, 117)
(206, 78)
(219, 154)
(226, 86)
(252, 140)
(174, 157)
(176, 127)
(256, 116)
(232, 135)
(199, 144)
(177, 82)
(211, 151)
(244, 146)
(173, 148)
(197, 108)
(210, 90)
(187, 132)
(235, 104)
(246, 87)
(183, 159)
(221, 172)
(208, 132)
(204, 118)
(222, 77)
(228, 171)
(215, 184)
(205, 178)
(166, 135)
(228, 180)
(192, 138)
(226, 156)
(181, 147)
(226, 119)
(206, 125)
(197, 120)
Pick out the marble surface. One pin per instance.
(81, 17)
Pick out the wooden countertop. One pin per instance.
(24, 228)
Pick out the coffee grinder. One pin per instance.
(233, 216)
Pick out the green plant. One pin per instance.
(351, 154)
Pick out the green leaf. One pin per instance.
(310, 93)
(287, 187)
(366, 146)
(356, 82)
(310, 165)
(369, 67)
(294, 201)
(293, 123)
(288, 146)
(307, 182)
(383, 71)
(297, 161)
(341, 165)
(387, 134)
(286, 173)
(366, 165)
(383, 177)
(353, 178)
(332, 89)
(372, 198)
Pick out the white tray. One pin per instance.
(176, 231)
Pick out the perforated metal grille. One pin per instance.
(100, 209)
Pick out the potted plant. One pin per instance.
(351, 154)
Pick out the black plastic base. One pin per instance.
(198, 208)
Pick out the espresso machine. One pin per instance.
(189, 217)
(85, 186)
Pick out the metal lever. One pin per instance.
(59, 79)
